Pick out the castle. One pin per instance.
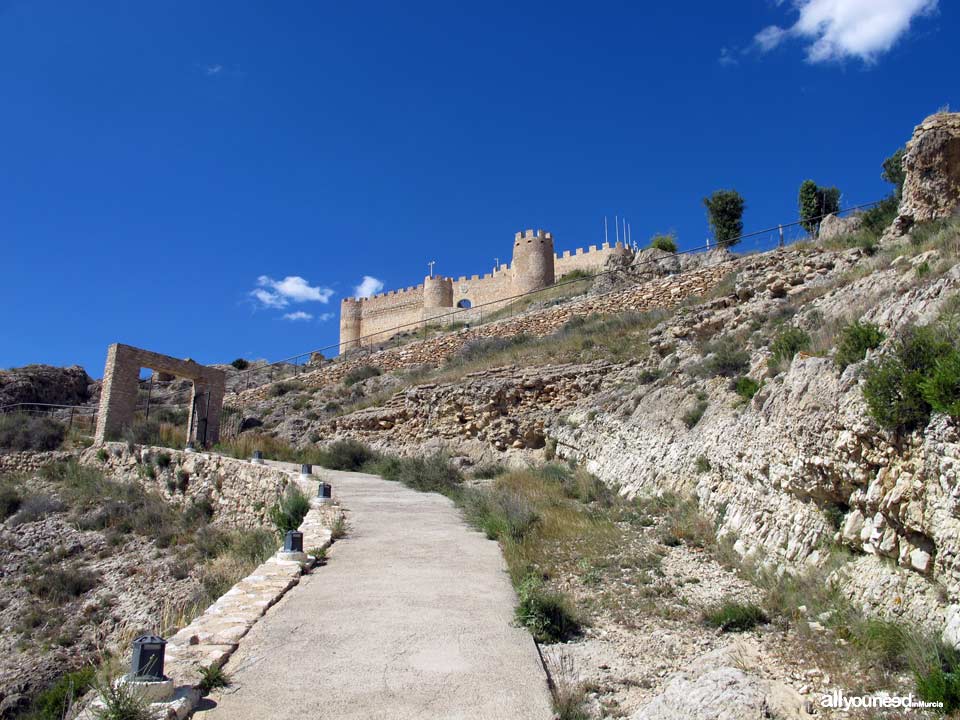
(367, 321)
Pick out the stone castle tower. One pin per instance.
(535, 265)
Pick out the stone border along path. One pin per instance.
(412, 619)
(214, 636)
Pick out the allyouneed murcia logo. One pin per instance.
(838, 700)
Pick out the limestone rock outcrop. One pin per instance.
(44, 384)
(931, 190)
(723, 685)
(833, 226)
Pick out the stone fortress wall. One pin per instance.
(366, 321)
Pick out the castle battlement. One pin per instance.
(367, 321)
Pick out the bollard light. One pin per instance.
(306, 470)
(257, 458)
(324, 491)
(293, 541)
(147, 662)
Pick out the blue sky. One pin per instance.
(183, 175)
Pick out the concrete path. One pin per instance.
(411, 619)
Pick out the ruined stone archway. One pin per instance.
(118, 397)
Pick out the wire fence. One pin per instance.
(79, 418)
(562, 291)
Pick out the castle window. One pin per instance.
(464, 304)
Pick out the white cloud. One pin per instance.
(211, 70)
(324, 317)
(840, 29)
(367, 287)
(298, 315)
(727, 57)
(768, 38)
(293, 288)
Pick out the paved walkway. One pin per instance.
(411, 619)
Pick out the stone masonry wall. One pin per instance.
(241, 493)
(382, 314)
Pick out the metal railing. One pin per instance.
(292, 367)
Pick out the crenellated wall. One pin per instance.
(367, 321)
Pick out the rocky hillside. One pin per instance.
(787, 393)
(99, 546)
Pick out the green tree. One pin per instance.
(725, 214)
(893, 171)
(816, 202)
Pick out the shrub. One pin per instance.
(163, 460)
(279, 389)
(430, 474)
(940, 680)
(667, 243)
(54, 702)
(144, 432)
(483, 347)
(788, 342)
(62, 584)
(684, 523)
(364, 372)
(500, 513)
(35, 507)
(349, 455)
(725, 215)
(547, 615)
(240, 364)
(489, 470)
(878, 218)
(121, 702)
(724, 358)
(10, 500)
(746, 387)
(941, 389)
(252, 546)
(855, 340)
(732, 616)
(893, 385)
(30, 432)
(702, 465)
(290, 510)
(692, 416)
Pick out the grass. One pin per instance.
(211, 678)
(567, 691)
(732, 616)
(339, 528)
(290, 510)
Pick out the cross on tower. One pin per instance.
(431, 264)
